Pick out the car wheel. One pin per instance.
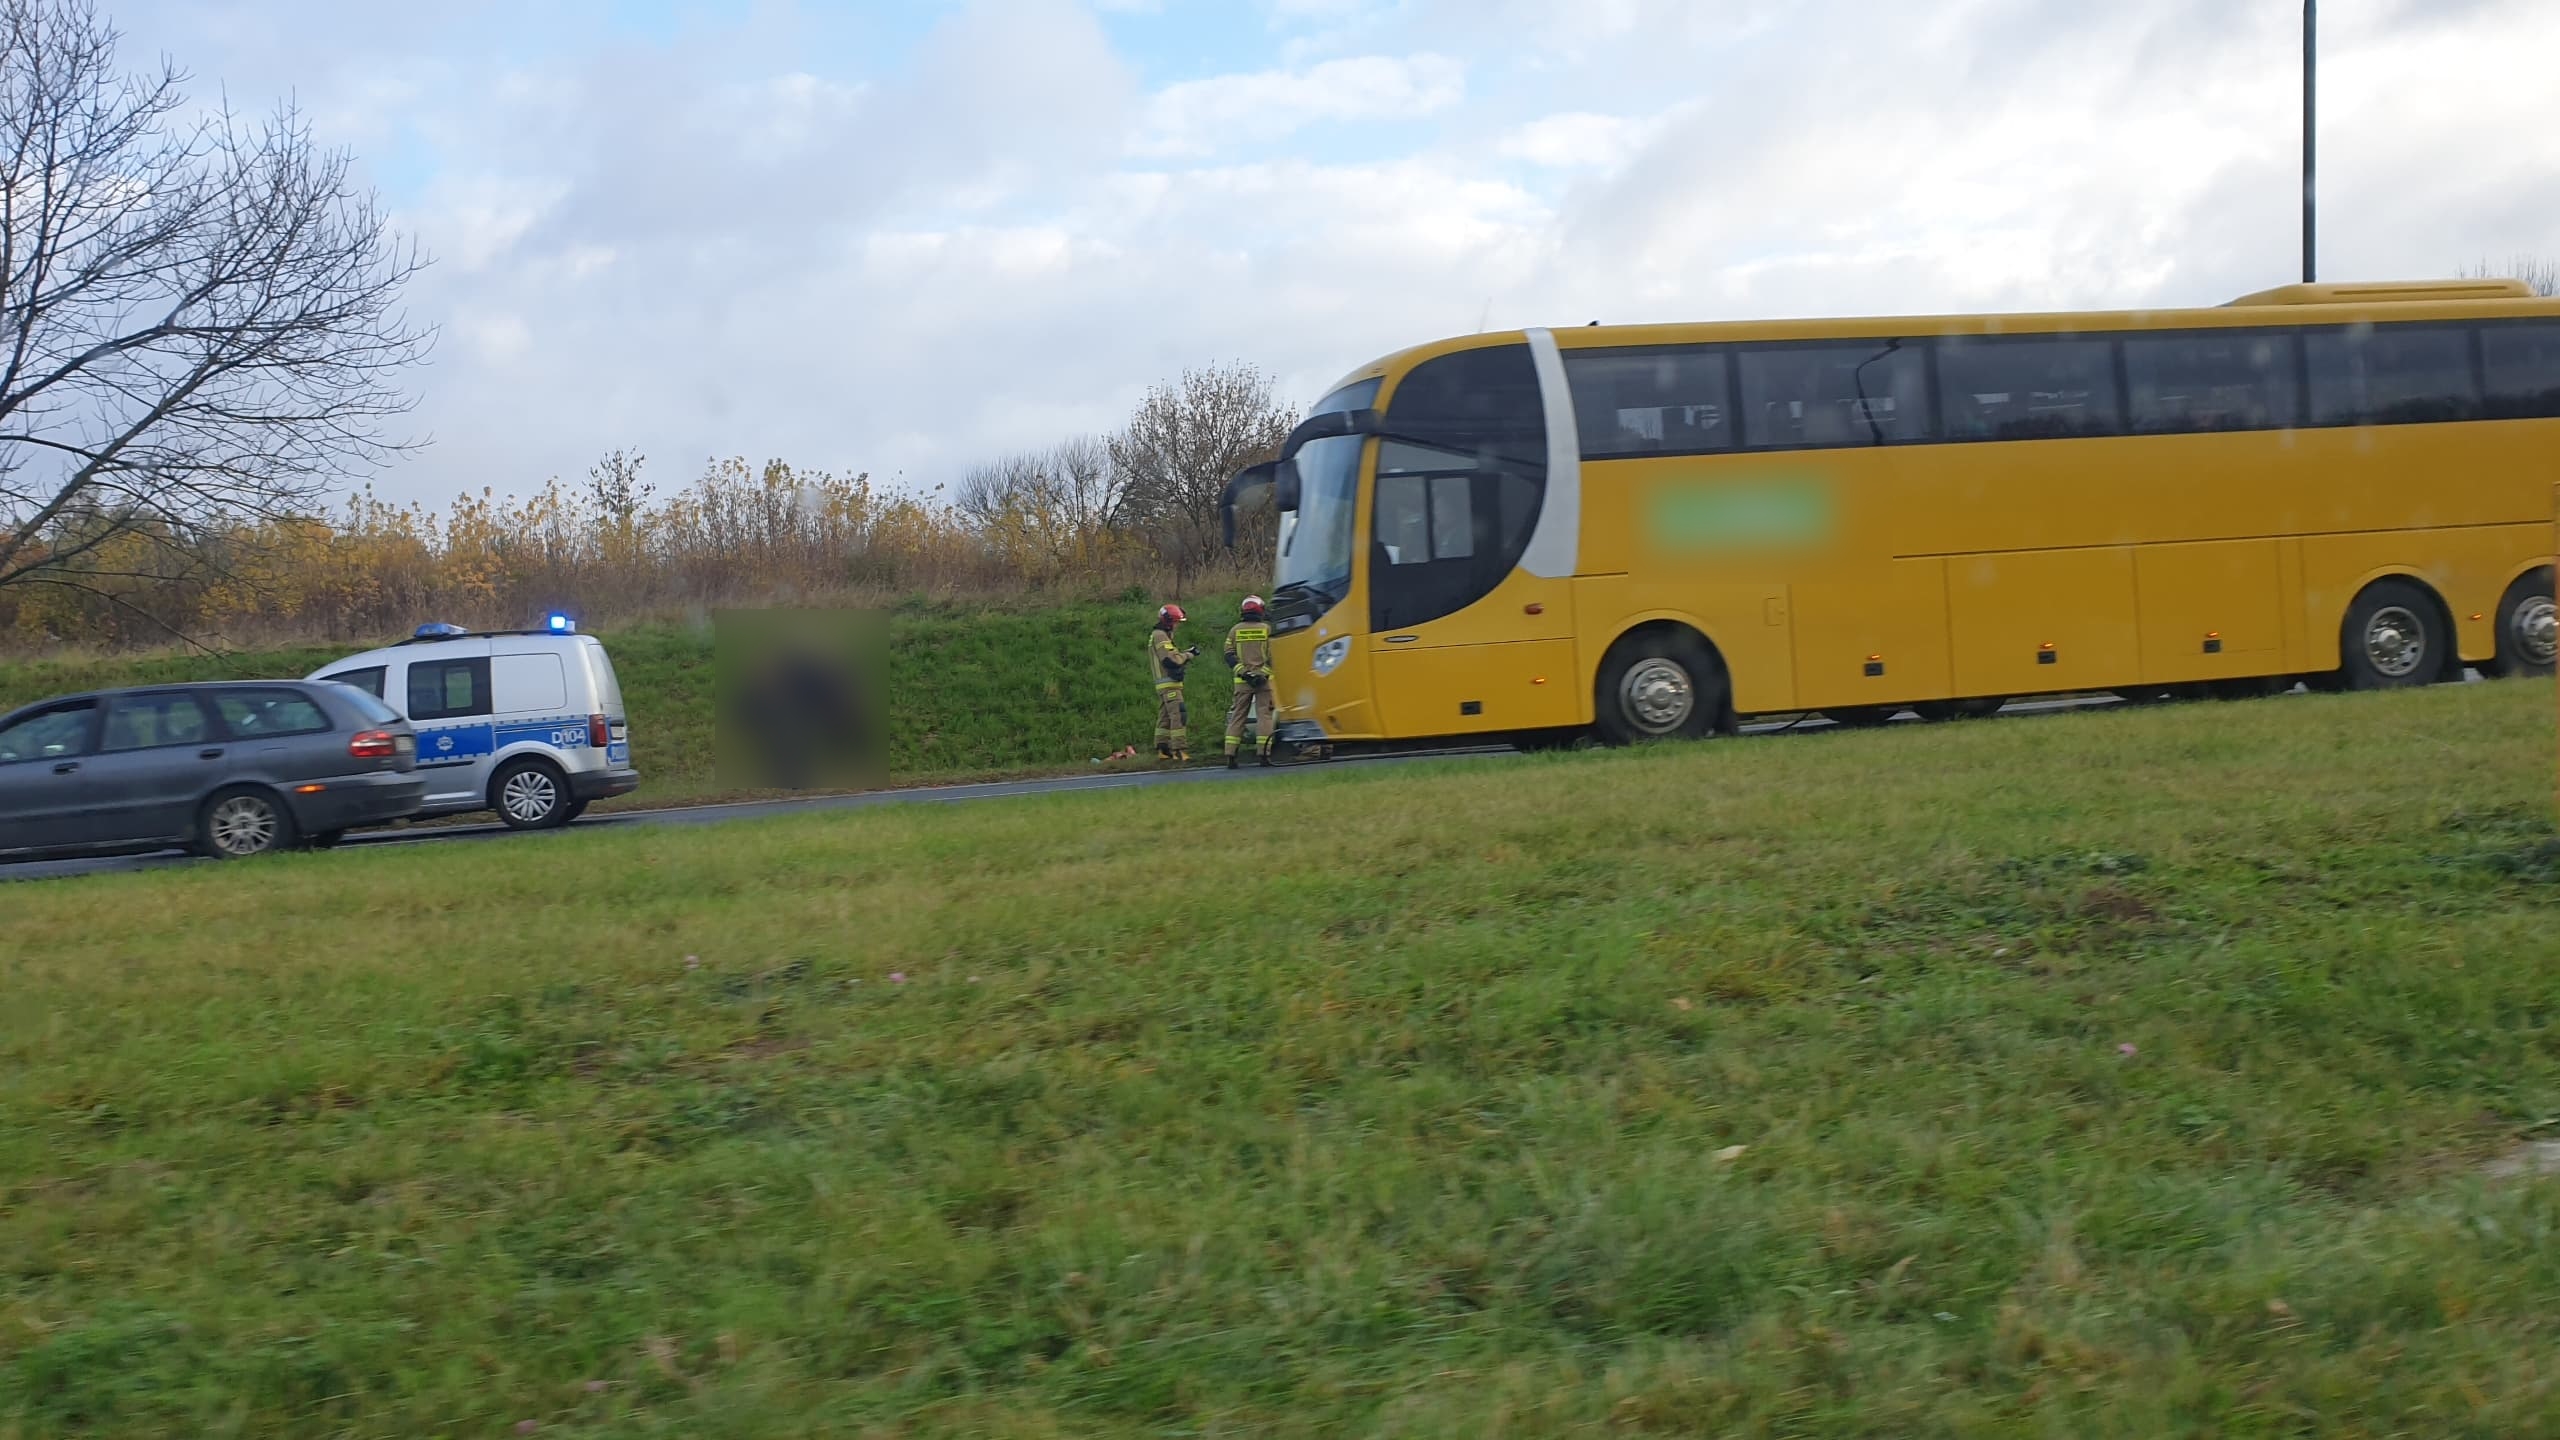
(1660, 686)
(530, 795)
(237, 824)
(2394, 637)
(2528, 627)
(576, 809)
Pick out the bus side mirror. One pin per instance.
(1251, 483)
(1328, 425)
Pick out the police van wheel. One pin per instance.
(530, 795)
(576, 809)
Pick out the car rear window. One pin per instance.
(258, 714)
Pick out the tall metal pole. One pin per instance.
(2310, 126)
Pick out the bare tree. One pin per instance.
(197, 323)
(2541, 273)
(1184, 443)
(1064, 506)
(1074, 484)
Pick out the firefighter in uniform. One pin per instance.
(1249, 655)
(1173, 718)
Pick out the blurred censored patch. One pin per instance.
(800, 704)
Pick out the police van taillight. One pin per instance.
(373, 745)
(599, 734)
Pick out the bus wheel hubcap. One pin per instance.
(530, 795)
(2538, 629)
(242, 826)
(1657, 695)
(2395, 642)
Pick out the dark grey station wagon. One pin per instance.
(228, 769)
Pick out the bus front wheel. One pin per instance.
(2528, 627)
(1662, 684)
(2395, 636)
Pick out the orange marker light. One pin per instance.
(1538, 680)
(309, 789)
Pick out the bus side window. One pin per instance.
(1862, 392)
(1459, 488)
(2027, 387)
(2208, 380)
(2523, 365)
(2390, 375)
(1628, 403)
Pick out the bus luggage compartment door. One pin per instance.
(1473, 689)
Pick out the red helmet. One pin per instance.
(1252, 605)
(1171, 615)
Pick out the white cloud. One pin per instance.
(1578, 140)
(750, 247)
(479, 219)
(1203, 117)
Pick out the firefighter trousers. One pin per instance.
(1256, 702)
(1173, 721)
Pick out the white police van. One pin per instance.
(528, 723)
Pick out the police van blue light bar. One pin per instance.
(559, 624)
(438, 630)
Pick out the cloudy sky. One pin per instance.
(900, 236)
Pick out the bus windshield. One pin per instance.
(1315, 549)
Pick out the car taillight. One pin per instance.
(598, 733)
(373, 745)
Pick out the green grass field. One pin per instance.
(2128, 1073)
(975, 693)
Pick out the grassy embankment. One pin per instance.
(2116, 1074)
(972, 693)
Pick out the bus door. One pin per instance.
(1463, 641)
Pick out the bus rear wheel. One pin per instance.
(2528, 628)
(2394, 637)
(1660, 685)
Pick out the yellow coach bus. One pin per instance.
(1660, 530)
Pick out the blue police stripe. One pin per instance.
(455, 744)
(462, 744)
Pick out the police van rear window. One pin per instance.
(372, 711)
(608, 685)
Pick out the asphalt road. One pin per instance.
(750, 810)
(937, 794)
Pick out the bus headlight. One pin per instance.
(1329, 654)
